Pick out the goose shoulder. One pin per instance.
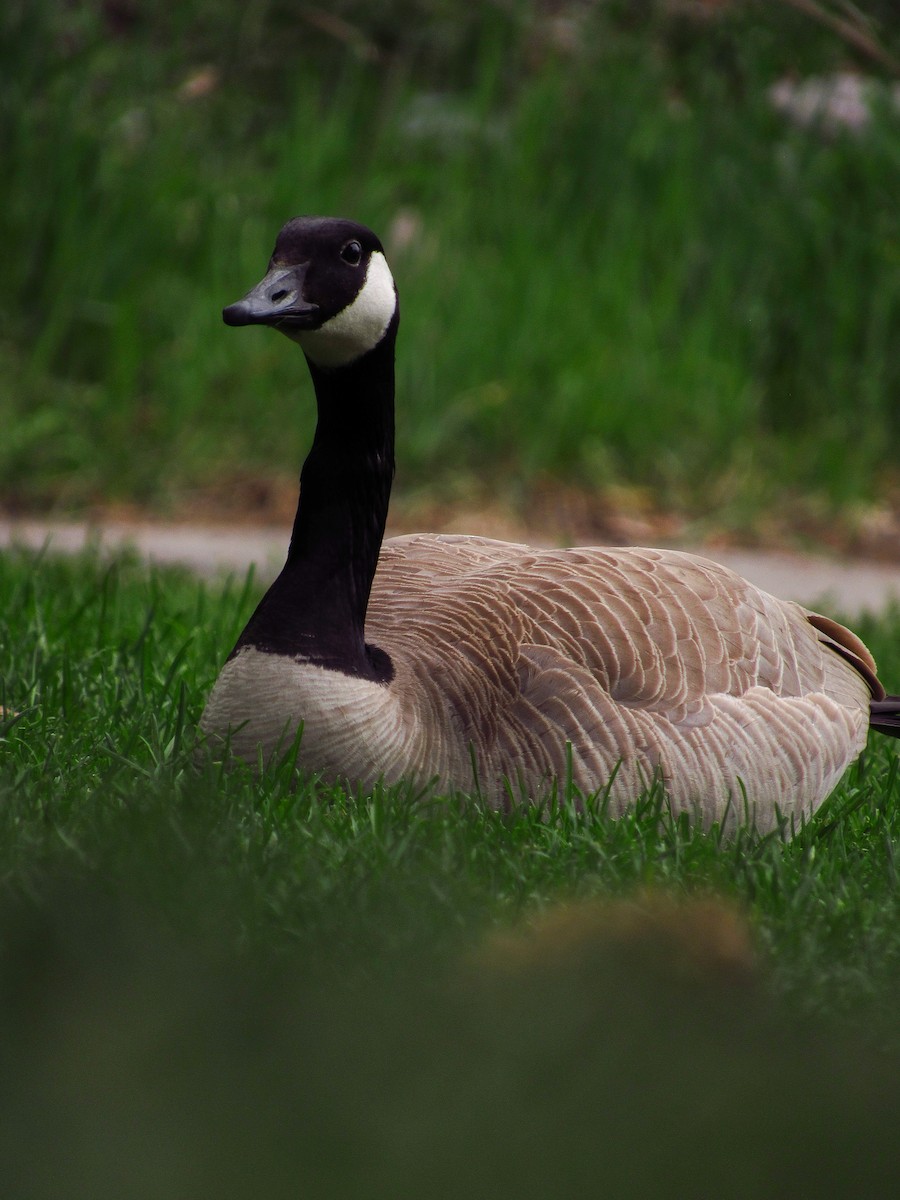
(659, 629)
(639, 662)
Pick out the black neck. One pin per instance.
(316, 608)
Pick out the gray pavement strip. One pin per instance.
(843, 586)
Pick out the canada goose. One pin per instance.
(480, 664)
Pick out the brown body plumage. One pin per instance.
(515, 668)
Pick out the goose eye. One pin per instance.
(352, 253)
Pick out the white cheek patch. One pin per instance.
(360, 326)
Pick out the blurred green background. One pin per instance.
(623, 266)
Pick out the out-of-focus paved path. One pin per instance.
(845, 586)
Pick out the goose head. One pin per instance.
(328, 287)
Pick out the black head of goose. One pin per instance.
(480, 665)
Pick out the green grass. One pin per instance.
(627, 269)
(217, 984)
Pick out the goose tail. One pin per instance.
(884, 716)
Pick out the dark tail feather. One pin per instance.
(884, 716)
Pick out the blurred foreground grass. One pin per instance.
(618, 263)
(216, 985)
